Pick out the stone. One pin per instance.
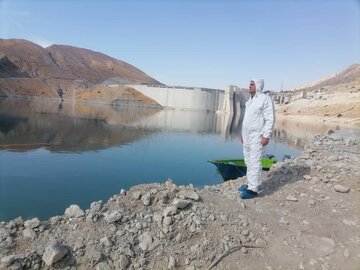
(260, 242)
(54, 252)
(32, 223)
(346, 253)
(341, 189)
(349, 222)
(29, 234)
(311, 202)
(7, 261)
(172, 263)
(332, 158)
(170, 211)
(106, 241)
(103, 266)
(283, 221)
(189, 194)
(93, 254)
(180, 203)
(96, 206)
(123, 261)
(146, 199)
(74, 211)
(320, 246)
(113, 216)
(245, 232)
(136, 195)
(307, 177)
(167, 221)
(146, 241)
(291, 198)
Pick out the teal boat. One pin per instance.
(234, 168)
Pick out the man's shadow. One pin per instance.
(283, 174)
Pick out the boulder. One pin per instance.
(189, 194)
(32, 223)
(54, 252)
(74, 211)
(180, 203)
(113, 216)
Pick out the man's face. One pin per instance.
(252, 88)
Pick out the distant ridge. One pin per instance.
(350, 75)
(27, 69)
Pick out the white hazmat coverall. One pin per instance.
(258, 122)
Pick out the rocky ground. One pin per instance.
(307, 216)
(340, 106)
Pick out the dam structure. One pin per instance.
(229, 104)
(187, 98)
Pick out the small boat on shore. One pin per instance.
(234, 168)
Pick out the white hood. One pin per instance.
(259, 83)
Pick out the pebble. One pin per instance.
(291, 198)
(172, 263)
(341, 189)
(349, 222)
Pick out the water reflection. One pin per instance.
(30, 124)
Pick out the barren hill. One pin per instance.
(348, 77)
(27, 69)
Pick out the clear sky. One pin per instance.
(201, 43)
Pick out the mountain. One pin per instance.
(348, 78)
(27, 69)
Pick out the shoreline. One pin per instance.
(302, 204)
(334, 121)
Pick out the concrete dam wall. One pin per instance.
(186, 98)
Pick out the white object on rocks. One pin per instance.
(54, 252)
(74, 211)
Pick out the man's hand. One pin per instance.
(264, 141)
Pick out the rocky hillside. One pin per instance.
(305, 217)
(27, 69)
(350, 77)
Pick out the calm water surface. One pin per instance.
(54, 155)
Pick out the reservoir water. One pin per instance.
(53, 155)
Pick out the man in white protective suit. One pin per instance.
(257, 127)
